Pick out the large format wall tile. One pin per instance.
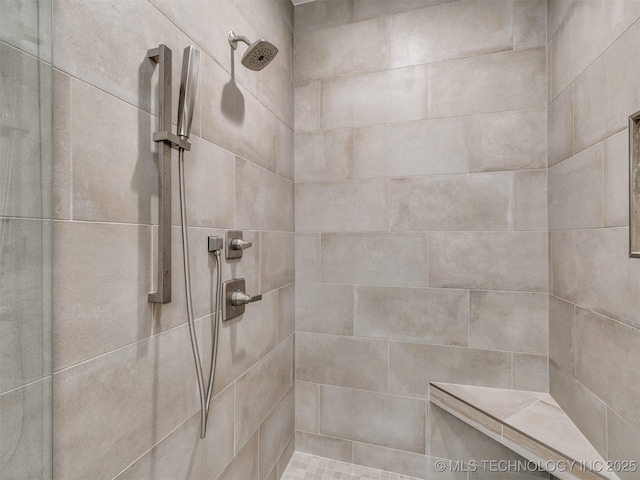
(560, 127)
(260, 389)
(264, 199)
(328, 447)
(616, 180)
(607, 87)
(380, 97)
(307, 107)
(286, 311)
(375, 8)
(142, 392)
(575, 191)
(324, 156)
(277, 260)
(355, 206)
(604, 351)
(489, 260)
(307, 250)
(413, 366)
(374, 258)
(320, 14)
(530, 200)
(436, 34)
(515, 322)
(557, 10)
(561, 333)
(379, 419)
(183, 455)
(245, 464)
(105, 307)
(530, 372)
(511, 81)
(529, 24)
(592, 268)
(276, 431)
(345, 50)
(412, 314)
(307, 409)
(623, 444)
(324, 308)
(61, 148)
(507, 141)
(344, 361)
(426, 147)
(456, 202)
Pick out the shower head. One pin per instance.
(186, 104)
(258, 55)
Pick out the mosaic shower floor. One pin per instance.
(309, 467)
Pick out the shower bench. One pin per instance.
(529, 423)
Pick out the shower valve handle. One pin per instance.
(240, 298)
(239, 244)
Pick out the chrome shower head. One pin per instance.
(189, 80)
(259, 54)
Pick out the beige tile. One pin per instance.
(307, 107)
(245, 464)
(481, 201)
(343, 50)
(390, 460)
(426, 315)
(210, 185)
(575, 191)
(560, 118)
(623, 444)
(264, 199)
(275, 85)
(589, 29)
(452, 438)
(61, 145)
(372, 98)
(608, 86)
(343, 361)
(364, 258)
(183, 455)
(285, 457)
(324, 308)
(112, 181)
(530, 199)
(426, 147)
(234, 119)
(413, 366)
(440, 33)
(489, 260)
(508, 140)
(277, 260)
(242, 341)
(556, 12)
(374, 418)
(592, 268)
(86, 47)
(529, 24)
(328, 447)
(324, 156)
(25, 414)
(515, 322)
(512, 81)
(354, 206)
(585, 409)
(260, 389)
(307, 409)
(365, 9)
(276, 431)
(616, 180)
(286, 163)
(322, 14)
(286, 311)
(20, 28)
(561, 345)
(605, 353)
(133, 396)
(99, 309)
(531, 372)
(307, 257)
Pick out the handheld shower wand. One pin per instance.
(186, 105)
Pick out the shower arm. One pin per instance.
(234, 39)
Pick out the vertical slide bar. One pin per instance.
(162, 56)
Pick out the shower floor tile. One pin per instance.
(309, 467)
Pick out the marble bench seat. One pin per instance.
(529, 423)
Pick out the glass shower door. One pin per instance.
(25, 239)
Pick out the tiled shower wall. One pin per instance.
(595, 302)
(421, 221)
(125, 401)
